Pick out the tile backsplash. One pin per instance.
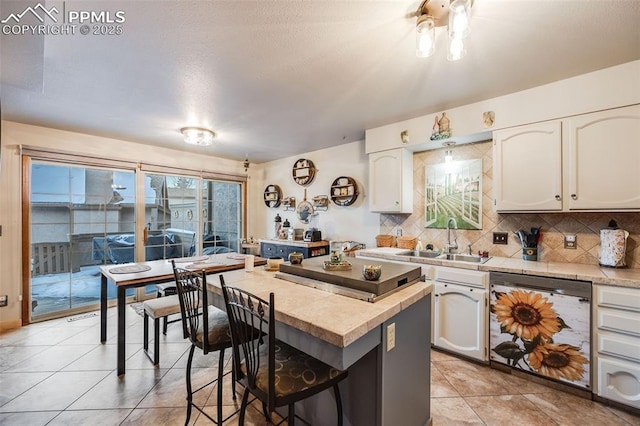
(586, 226)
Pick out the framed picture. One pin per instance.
(454, 190)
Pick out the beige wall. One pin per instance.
(554, 225)
(353, 223)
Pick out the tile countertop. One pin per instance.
(574, 271)
(336, 319)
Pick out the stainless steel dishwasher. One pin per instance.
(542, 326)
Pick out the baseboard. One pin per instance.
(10, 325)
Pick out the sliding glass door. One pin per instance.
(222, 212)
(81, 218)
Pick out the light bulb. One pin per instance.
(448, 156)
(425, 36)
(456, 49)
(459, 19)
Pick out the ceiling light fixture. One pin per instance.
(438, 13)
(448, 154)
(198, 136)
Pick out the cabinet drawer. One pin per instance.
(618, 345)
(619, 381)
(620, 321)
(462, 276)
(618, 297)
(267, 250)
(283, 251)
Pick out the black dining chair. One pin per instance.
(208, 329)
(274, 372)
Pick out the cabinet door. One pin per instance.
(460, 320)
(527, 165)
(391, 181)
(619, 381)
(604, 160)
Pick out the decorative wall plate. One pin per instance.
(304, 209)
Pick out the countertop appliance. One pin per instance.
(350, 282)
(542, 326)
(460, 311)
(312, 235)
(295, 234)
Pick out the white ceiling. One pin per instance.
(279, 78)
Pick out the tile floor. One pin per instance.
(56, 373)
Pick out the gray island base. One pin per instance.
(386, 385)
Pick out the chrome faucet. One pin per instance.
(451, 247)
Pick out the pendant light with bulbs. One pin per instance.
(455, 14)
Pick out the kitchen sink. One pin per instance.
(419, 253)
(456, 257)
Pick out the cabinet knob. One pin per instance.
(574, 197)
(558, 197)
(397, 203)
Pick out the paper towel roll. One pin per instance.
(613, 247)
(249, 260)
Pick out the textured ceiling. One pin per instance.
(278, 78)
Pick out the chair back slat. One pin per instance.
(192, 293)
(252, 324)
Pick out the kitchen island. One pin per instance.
(389, 377)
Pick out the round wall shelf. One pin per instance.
(303, 171)
(344, 191)
(272, 196)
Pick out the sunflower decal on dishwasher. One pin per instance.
(530, 318)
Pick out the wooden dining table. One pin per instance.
(139, 274)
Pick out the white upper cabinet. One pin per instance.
(604, 160)
(391, 181)
(527, 168)
(588, 162)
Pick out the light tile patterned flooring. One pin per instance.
(56, 373)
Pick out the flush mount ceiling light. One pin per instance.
(438, 13)
(198, 136)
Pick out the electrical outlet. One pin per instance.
(399, 232)
(4, 300)
(500, 237)
(391, 336)
(570, 241)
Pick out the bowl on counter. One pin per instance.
(372, 272)
(295, 258)
(274, 262)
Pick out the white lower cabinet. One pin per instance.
(616, 329)
(460, 314)
(619, 381)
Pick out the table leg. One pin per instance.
(121, 329)
(103, 309)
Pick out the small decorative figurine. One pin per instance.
(441, 127)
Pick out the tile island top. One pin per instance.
(335, 319)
